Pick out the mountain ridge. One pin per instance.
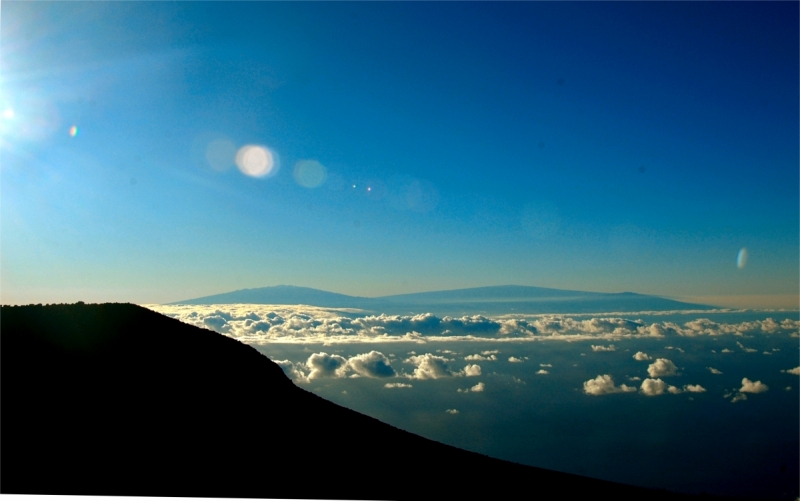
(500, 299)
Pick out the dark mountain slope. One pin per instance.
(115, 399)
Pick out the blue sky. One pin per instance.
(593, 146)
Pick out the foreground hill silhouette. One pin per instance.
(115, 399)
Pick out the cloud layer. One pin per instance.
(259, 324)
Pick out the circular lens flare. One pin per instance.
(310, 173)
(73, 131)
(255, 161)
(221, 154)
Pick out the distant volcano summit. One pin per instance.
(496, 300)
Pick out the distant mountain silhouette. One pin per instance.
(284, 294)
(494, 300)
(117, 400)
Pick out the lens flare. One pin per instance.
(221, 154)
(310, 173)
(255, 161)
(741, 259)
(73, 131)
(8, 114)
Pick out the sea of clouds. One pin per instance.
(307, 325)
(260, 324)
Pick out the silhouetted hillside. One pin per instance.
(115, 399)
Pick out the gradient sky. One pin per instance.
(593, 146)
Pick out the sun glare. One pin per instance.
(255, 161)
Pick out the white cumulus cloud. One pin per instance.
(753, 387)
(481, 357)
(654, 387)
(641, 356)
(694, 388)
(662, 367)
(372, 364)
(604, 385)
(324, 365)
(472, 370)
(713, 370)
(514, 360)
(293, 371)
(452, 411)
(795, 371)
(397, 385)
(610, 347)
(430, 366)
(475, 389)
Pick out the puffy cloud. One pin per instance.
(641, 356)
(795, 371)
(452, 411)
(738, 397)
(324, 365)
(713, 370)
(610, 347)
(397, 385)
(472, 370)
(490, 352)
(514, 359)
(217, 323)
(475, 389)
(634, 378)
(662, 367)
(480, 357)
(752, 387)
(604, 385)
(542, 371)
(654, 387)
(694, 388)
(545, 365)
(292, 371)
(726, 350)
(372, 364)
(430, 366)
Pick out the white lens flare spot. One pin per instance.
(255, 161)
(221, 154)
(8, 114)
(310, 173)
(73, 131)
(741, 259)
